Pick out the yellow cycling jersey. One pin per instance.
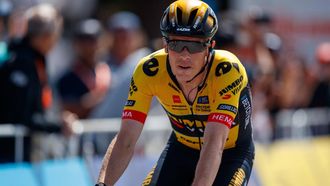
(224, 97)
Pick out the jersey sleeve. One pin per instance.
(139, 96)
(229, 80)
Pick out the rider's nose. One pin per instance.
(185, 51)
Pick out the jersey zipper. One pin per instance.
(199, 138)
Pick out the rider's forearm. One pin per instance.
(105, 161)
(116, 162)
(120, 152)
(215, 136)
(207, 166)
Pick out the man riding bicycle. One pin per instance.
(206, 96)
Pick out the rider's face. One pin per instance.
(185, 64)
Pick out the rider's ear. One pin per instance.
(165, 45)
(212, 46)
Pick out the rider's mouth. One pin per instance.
(184, 67)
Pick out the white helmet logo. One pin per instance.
(183, 29)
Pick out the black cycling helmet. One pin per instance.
(189, 18)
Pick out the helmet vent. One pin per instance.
(167, 19)
(192, 17)
(210, 22)
(179, 16)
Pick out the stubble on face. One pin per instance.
(185, 65)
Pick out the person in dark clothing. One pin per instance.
(321, 96)
(84, 85)
(25, 93)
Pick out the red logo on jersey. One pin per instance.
(134, 115)
(127, 114)
(176, 99)
(227, 96)
(221, 118)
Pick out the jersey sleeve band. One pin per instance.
(134, 115)
(221, 118)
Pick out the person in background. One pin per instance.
(321, 95)
(84, 86)
(25, 93)
(127, 48)
(126, 35)
(6, 8)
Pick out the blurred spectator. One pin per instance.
(126, 50)
(25, 94)
(5, 11)
(258, 25)
(226, 37)
(292, 89)
(6, 8)
(321, 95)
(85, 84)
(126, 35)
(260, 60)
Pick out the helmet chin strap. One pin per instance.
(203, 68)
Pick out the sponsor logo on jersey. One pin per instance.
(221, 118)
(225, 67)
(134, 115)
(127, 114)
(248, 110)
(203, 100)
(133, 88)
(176, 99)
(236, 90)
(238, 178)
(227, 96)
(229, 108)
(234, 87)
(130, 103)
(203, 108)
(235, 65)
(150, 67)
(189, 124)
(179, 107)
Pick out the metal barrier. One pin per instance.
(302, 123)
(153, 123)
(18, 132)
(81, 127)
(289, 124)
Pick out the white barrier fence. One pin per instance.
(294, 124)
(302, 123)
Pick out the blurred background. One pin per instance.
(284, 45)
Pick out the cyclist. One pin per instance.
(206, 96)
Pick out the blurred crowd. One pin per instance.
(55, 72)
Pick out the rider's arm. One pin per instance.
(133, 117)
(229, 80)
(215, 136)
(118, 156)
